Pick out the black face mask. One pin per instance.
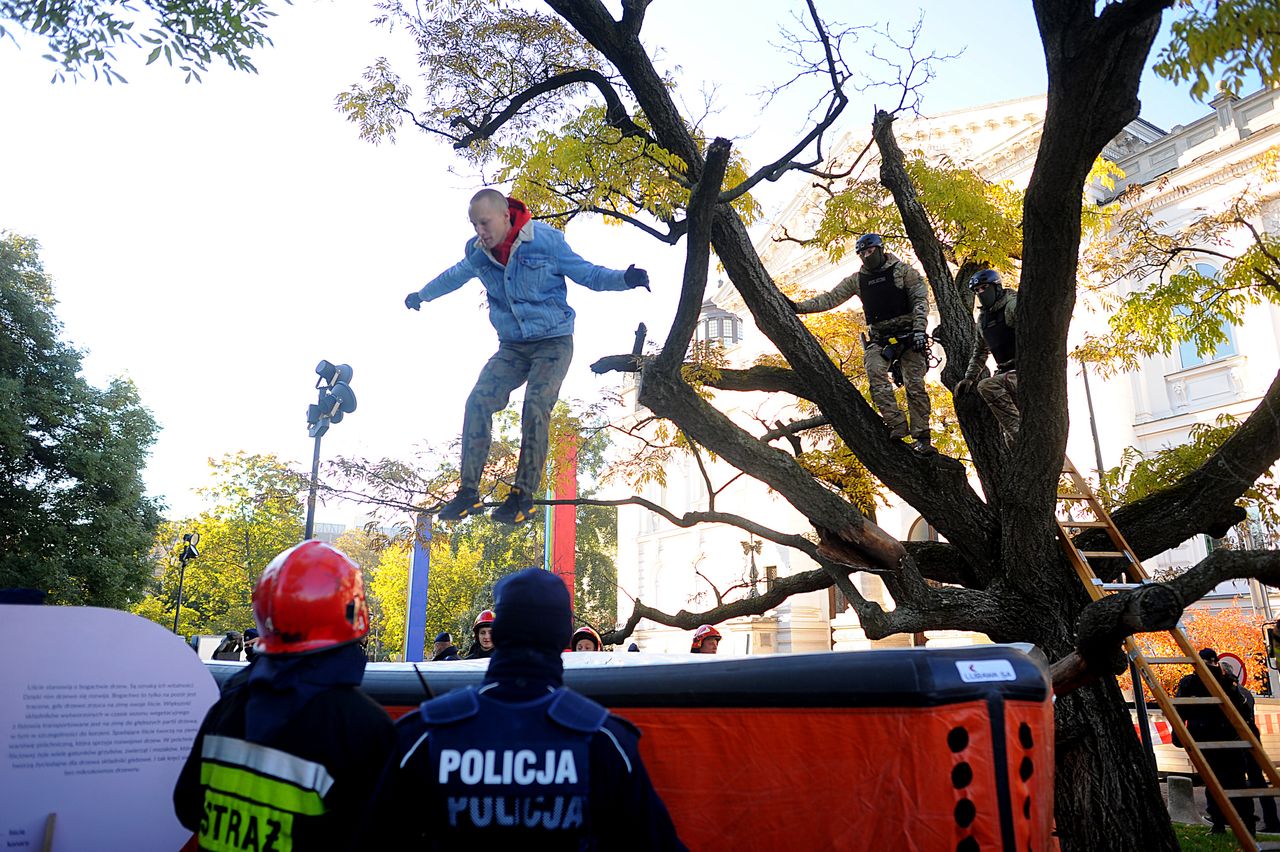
(988, 296)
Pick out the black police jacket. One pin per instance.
(555, 772)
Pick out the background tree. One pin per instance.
(1176, 301)
(1226, 631)
(255, 512)
(1003, 568)
(82, 36)
(74, 520)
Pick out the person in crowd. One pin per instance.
(706, 640)
(997, 316)
(522, 762)
(482, 636)
(251, 654)
(444, 648)
(586, 639)
(523, 265)
(1208, 723)
(1254, 776)
(289, 758)
(895, 302)
(251, 644)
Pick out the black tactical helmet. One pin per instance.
(985, 276)
(866, 241)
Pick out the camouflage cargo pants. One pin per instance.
(1000, 392)
(543, 365)
(914, 366)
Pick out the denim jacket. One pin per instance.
(527, 297)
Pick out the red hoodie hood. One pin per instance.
(520, 216)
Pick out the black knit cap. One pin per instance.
(531, 609)
(1209, 655)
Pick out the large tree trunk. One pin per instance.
(1106, 793)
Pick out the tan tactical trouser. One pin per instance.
(1001, 393)
(914, 366)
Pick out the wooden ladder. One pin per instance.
(1078, 511)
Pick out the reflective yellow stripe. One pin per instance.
(268, 761)
(267, 791)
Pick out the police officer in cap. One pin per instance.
(998, 309)
(520, 762)
(895, 300)
(287, 759)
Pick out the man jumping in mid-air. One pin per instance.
(522, 265)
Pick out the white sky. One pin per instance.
(214, 241)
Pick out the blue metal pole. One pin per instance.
(415, 623)
(547, 531)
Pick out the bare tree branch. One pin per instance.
(615, 111)
(838, 102)
(785, 430)
(697, 257)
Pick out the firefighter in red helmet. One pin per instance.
(482, 634)
(287, 758)
(706, 640)
(586, 639)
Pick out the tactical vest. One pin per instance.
(999, 336)
(519, 771)
(255, 796)
(881, 298)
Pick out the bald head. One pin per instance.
(490, 216)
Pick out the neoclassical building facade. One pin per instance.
(1185, 172)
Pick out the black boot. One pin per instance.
(465, 503)
(923, 444)
(517, 508)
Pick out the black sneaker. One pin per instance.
(465, 503)
(516, 509)
(923, 445)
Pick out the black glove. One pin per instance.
(413, 301)
(963, 386)
(919, 341)
(636, 278)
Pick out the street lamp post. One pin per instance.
(750, 548)
(336, 399)
(189, 552)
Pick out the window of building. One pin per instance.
(718, 326)
(921, 530)
(770, 577)
(1187, 353)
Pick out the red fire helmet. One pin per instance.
(311, 597)
(704, 632)
(585, 632)
(484, 619)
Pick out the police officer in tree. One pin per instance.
(996, 319)
(523, 265)
(895, 301)
(520, 762)
(288, 759)
(482, 636)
